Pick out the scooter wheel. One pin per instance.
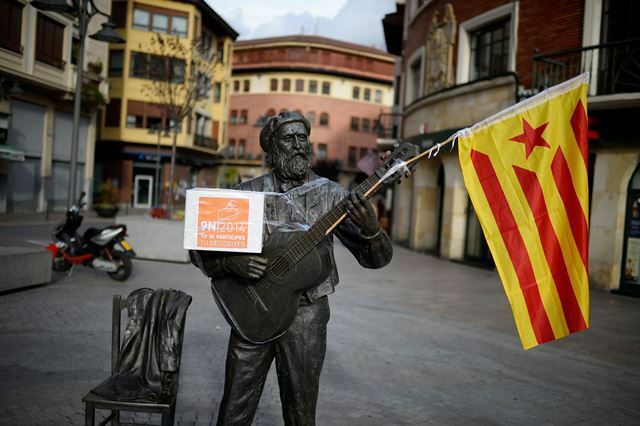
(126, 266)
(60, 264)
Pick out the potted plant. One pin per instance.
(107, 207)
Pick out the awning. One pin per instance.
(11, 154)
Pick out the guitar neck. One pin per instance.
(326, 224)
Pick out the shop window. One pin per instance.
(116, 59)
(367, 94)
(274, 84)
(351, 161)
(286, 85)
(299, 85)
(11, 25)
(313, 86)
(326, 88)
(324, 119)
(355, 123)
(489, 50)
(356, 92)
(630, 282)
(49, 41)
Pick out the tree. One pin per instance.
(180, 78)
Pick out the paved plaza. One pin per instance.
(423, 341)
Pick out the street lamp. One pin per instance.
(84, 10)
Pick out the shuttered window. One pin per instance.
(49, 41)
(10, 25)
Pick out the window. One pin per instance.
(75, 46)
(241, 148)
(11, 25)
(355, 123)
(141, 19)
(313, 86)
(233, 117)
(49, 40)
(415, 73)
(367, 94)
(154, 67)
(236, 86)
(351, 161)
(160, 23)
(363, 152)
(489, 52)
(231, 149)
(179, 25)
(243, 117)
(274, 84)
(324, 119)
(116, 58)
(220, 52)
(112, 113)
(286, 85)
(311, 116)
(326, 88)
(119, 13)
(366, 125)
(246, 85)
(356, 92)
(299, 85)
(134, 121)
(378, 96)
(321, 153)
(217, 92)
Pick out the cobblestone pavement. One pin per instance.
(423, 341)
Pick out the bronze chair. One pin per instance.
(166, 406)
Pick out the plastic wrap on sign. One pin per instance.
(224, 220)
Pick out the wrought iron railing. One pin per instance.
(614, 67)
(205, 142)
(388, 125)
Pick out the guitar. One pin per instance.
(263, 310)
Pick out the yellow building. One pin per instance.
(131, 153)
(37, 87)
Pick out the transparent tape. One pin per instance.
(240, 221)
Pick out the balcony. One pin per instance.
(614, 69)
(387, 129)
(205, 142)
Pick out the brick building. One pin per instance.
(342, 88)
(459, 62)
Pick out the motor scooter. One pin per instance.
(102, 249)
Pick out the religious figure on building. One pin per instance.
(299, 352)
(439, 51)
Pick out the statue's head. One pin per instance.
(285, 141)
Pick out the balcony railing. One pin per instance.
(614, 67)
(205, 142)
(388, 125)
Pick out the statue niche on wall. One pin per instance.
(439, 51)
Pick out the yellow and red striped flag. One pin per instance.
(525, 170)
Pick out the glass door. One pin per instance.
(630, 277)
(142, 192)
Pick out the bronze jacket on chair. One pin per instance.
(304, 205)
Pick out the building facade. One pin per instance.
(134, 149)
(37, 85)
(342, 88)
(459, 62)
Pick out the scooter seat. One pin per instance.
(89, 233)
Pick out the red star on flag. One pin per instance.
(531, 137)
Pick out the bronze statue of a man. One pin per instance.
(300, 351)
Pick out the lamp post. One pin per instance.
(84, 10)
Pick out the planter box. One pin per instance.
(155, 239)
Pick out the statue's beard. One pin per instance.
(292, 167)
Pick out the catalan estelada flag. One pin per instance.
(525, 170)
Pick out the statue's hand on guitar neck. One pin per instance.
(246, 266)
(362, 214)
